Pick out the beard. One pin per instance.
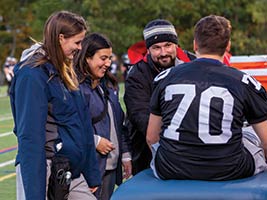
(165, 62)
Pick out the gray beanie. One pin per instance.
(159, 30)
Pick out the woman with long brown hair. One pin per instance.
(56, 152)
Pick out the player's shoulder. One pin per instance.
(170, 72)
(162, 75)
(249, 83)
(244, 78)
(236, 73)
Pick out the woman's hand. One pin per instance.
(93, 189)
(105, 146)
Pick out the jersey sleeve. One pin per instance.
(255, 101)
(154, 101)
(157, 92)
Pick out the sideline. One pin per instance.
(5, 134)
(7, 163)
(8, 149)
(7, 176)
(8, 117)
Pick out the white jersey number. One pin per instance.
(189, 92)
(246, 79)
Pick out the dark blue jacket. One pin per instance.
(46, 113)
(102, 128)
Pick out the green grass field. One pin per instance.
(7, 140)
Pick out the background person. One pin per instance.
(51, 122)
(125, 65)
(100, 87)
(8, 70)
(198, 110)
(114, 64)
(162, 53)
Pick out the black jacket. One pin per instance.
(138, 90)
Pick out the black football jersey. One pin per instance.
(203, 105)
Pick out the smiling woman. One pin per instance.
(99, 63)
(95, 59)
(49, 111)
(100, 88)
(70, 45)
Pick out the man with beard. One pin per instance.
(162, 53)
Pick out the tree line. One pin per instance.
(123, 21)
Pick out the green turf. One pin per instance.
(7, 186)
(3, 90)
(4, 105)
(121, 93)
(8, 189)
(7, 170)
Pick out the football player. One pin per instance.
(198, 110)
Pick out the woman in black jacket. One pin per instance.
(100, 88)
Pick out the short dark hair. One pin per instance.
(212, 34)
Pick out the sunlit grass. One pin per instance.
(121, 96)
(8, 185)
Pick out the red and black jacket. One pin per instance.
(138, 90)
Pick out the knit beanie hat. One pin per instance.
(159, 30)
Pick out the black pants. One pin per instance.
(106, 189)
(141, 160)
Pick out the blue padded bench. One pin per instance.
(144, 186)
